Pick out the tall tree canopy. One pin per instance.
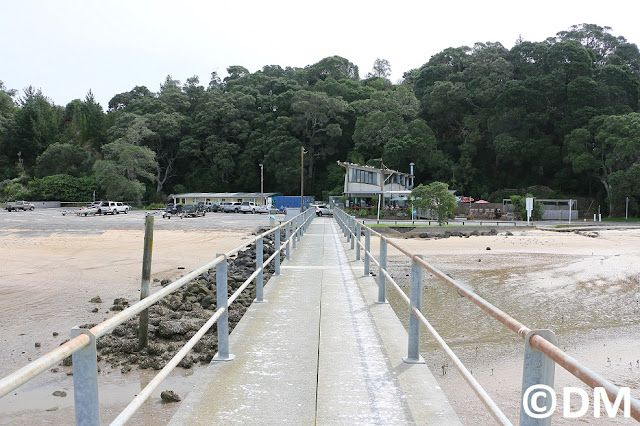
(559, 112)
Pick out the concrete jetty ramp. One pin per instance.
(319, 351)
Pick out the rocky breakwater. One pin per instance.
(177, 317)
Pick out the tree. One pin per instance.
(381, 69)
(37, 125)
(317, 122)
(7, 120)
(64, 158)
(62, 187)
(124, 163)
(436, 197)
(609, 145)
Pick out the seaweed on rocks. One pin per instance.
(178, 316)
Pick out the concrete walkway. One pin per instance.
(319, 351)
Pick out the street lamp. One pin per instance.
(302, 152)
(381, 197)
(261, 183)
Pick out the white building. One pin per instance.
(363, 183)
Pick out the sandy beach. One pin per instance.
(585, 288)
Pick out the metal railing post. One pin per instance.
(413, 351)
(143, 326)
(538, 370)
(367, 250)
(344, 226)
(294, 234)
(298, 226)
(382, 283)
(221, 302)
(287, 236)
(85, 380)
(352, 225)
(277, 259)
(259, 264)
(358, 232)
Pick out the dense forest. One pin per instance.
(561, 113)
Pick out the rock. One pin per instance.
(488, 248)
(61, 394)
(55, 334)
(37, 344)
(121, 301)
(156, 280)
(125, 369)
(508, 233)
(169, 396)
(55, 370)
(52, 409)
(492, 232)
(180, 267)
(165, 282)
(170, 328)
(94, 310)
(96, 299)
(423, 235)
(209, 301)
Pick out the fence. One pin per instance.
(541, 353)
(82, 346)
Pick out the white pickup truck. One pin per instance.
(112, 207)
(19, 205)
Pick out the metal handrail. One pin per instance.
(53, 357)
(570, 364)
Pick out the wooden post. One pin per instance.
(143, 329)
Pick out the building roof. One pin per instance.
(224, 195)
(373, 169)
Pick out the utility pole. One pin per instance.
(381, 197)
(261, 183)
(301, 179)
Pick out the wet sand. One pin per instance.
(46, 283)
(585, 289)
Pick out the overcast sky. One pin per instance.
(67, 47)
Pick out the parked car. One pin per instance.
(207, 207)
(248, 207)
(323, 209)
(215, 207)
(193, 210)
(111, 207)
(172, 210)
(231, 207)
(266, 208)
(19, 205)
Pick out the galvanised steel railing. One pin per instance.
(82, 346)
(541, 353)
